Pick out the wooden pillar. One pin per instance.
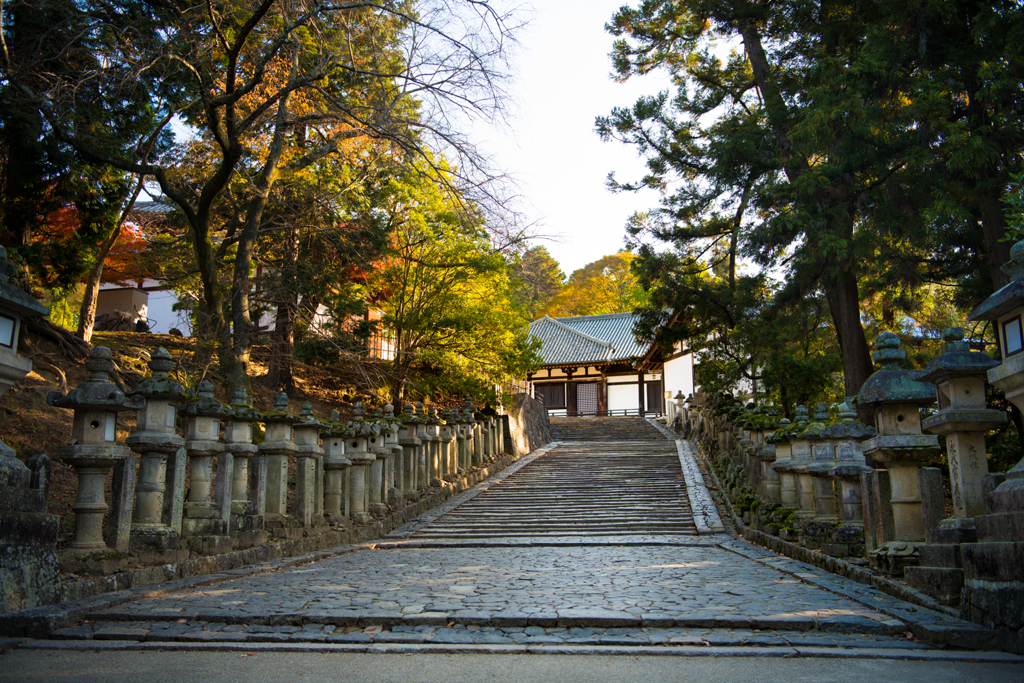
(570, 393)
(602, 397)
(640, 390)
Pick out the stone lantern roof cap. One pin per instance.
(13, 298)
(97, 392)
(892, 384)
(848, 427)
(160, 385)
(279, 413)
(958, 361)
(203, 404)
(309, 420)
(241, 409)
(1009, 297)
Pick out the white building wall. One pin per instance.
(622, 397)
(679, 375)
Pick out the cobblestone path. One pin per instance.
(580, 545)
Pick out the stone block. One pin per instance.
(1002, 561)
(941, 555)
(211, 545)
(933, 503)
(28, 529)
(1007, 526)
(999, 607)
(942, 583)
(22, 499)
(91, 562)
(28, 577)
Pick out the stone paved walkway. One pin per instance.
(552, 587)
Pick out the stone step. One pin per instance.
(616, 488)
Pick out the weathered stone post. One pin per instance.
(377, 490)
(309, 506)
(474, 443)
(93, 453)
(357, 450)
(393, 465)
(824, 459)
(449, 446)
(207, 516)
(436, 468)
(156, 522)
(461, 442)
(800, 460)
(411, 444)
(277, 447)
(423, 451)
(896, 400)
(783, 460)
(847, 435)
(248, 474)
(336, 499)
(28, 536)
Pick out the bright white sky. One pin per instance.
(563, 83)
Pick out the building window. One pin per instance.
(551, 395)
(1013, 339)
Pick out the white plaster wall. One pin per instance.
(622, 397)
(679, 375)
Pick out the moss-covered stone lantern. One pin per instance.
(896, 399)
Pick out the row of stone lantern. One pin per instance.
(810, 480)
(239, 484)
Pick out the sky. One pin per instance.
(562, 83)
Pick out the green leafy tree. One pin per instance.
(538, 278)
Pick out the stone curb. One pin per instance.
(96, 594)
(934, 624)
(441, 648)
(567, 619)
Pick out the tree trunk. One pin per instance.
(87, 313)
(997, 248)
(844, 304)
(279, 375)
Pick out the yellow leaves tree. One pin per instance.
(604, 286)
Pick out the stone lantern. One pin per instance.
(847, 435)
(801, 458)
(377, 489)
(357, 450)
(449, 447)
(436, 465)
(336, 502)
(248, 474)
(156, 523)
(781, 465)
(391, 428)
(207, 516)
(423, 452)
(93, 453)
(277, 447)
(470, 425)
(411, 444)
(896, 400)
(959, 378)
(309, 493)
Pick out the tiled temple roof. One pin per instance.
(587, 339)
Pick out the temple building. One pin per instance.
(594, 365)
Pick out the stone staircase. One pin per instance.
(609, 488)
(603, 429)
